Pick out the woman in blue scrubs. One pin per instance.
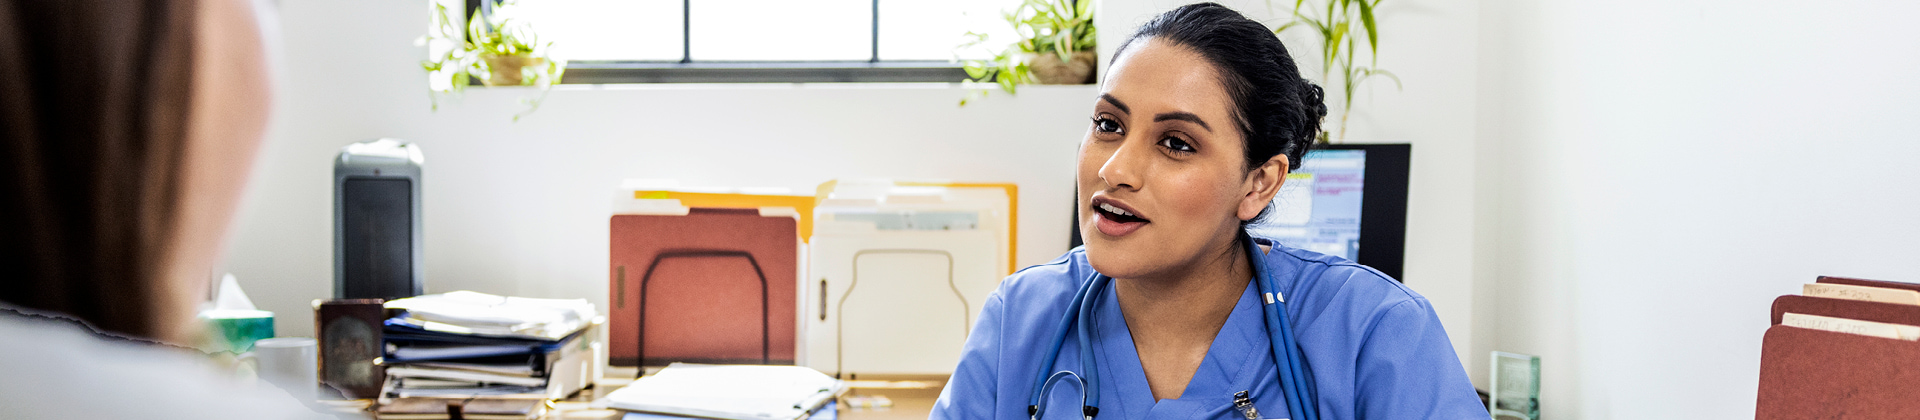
(1201, 116)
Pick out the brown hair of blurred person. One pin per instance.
(94, 105)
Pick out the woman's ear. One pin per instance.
(1262, 184)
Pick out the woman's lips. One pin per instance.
(1115, 228)
(1115, 218)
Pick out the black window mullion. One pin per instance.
(687, 71)
(876, 32)
(686, 31)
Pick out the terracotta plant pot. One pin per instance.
(1048, 70)
(505, 69)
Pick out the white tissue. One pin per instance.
(230, 302)
(230, 297)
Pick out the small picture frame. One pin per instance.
(1516, 387)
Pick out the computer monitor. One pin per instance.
(1347, 200)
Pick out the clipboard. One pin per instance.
(1806, 373)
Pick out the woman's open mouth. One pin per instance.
(1116, 218)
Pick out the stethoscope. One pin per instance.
(1294, 383)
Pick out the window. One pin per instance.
(665, 41)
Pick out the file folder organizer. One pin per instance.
(709, 286)
(1806, 373)
(898, 273)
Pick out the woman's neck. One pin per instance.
(1204, 291)
(1173, 319)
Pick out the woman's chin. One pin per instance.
(1117, 259)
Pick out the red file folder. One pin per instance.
(712, 286)
(1809, 374)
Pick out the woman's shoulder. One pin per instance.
(1316, 276)
(1045, 285)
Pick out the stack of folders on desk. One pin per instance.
(469, 409)
(474, 345)
(1844, 348)
(731, 392)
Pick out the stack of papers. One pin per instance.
(732, 392)
(479, 409)
(469, 344)
(474, 313)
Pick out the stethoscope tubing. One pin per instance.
(1091, 407)
(1286, 351)
(1053, 354)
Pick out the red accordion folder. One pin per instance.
(1806, 373)
(712, 286)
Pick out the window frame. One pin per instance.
(687, 70)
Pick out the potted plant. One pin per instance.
(1337, 28)
(1055, 47)
(495, 49)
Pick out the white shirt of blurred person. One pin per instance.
(128, 128)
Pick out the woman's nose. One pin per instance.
(1122, 169)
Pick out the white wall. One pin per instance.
(1666, 168)
(521, 208)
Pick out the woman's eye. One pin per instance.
(1105, 125)
(1177, 145)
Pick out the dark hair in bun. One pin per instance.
(1278, 112)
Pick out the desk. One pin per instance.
(908, 403)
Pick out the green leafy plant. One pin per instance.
(1338, 28)
(495, 49)
(1058, 27)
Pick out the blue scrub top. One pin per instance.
(1374, 349)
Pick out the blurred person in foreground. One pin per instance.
(128, 127)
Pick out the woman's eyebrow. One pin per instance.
(1182, 116)
(1116, 103)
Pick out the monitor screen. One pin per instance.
(1318, 208)
(1346, 200)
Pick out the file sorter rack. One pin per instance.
(1806, 373)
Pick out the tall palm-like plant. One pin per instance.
(1338, 27)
